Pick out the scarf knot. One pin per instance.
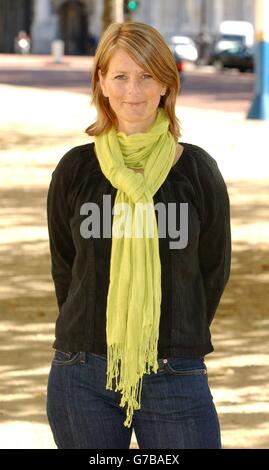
(130, 183)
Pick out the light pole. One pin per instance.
(260, 106)
(119, 15)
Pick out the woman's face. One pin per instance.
(133, 94)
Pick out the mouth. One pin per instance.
(134, 103)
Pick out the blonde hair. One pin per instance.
(148, 49)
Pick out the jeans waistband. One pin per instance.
(162, 361)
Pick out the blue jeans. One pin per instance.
(177, 409)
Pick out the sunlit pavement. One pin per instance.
(37, 127)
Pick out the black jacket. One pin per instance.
(193, 278)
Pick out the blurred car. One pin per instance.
(184, 47)
(233, 33)
(179, 62)
(238, 57)
(180, 65)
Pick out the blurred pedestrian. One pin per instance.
(22, 43)
(135, 307)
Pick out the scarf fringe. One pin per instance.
(116, 369)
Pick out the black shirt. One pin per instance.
(193, 278)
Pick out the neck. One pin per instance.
(130, 128)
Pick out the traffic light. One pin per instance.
(130, 5)
(133, 5)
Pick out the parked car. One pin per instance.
(232, 33)
(179, 62)
(184, 47)
(180, 65)
(238, 57)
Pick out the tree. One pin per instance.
(108, 14)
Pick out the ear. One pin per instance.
(102, 83)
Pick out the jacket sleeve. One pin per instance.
(215, 236)
(61, 244)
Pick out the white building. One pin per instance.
(77, 20)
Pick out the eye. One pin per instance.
(145, 75)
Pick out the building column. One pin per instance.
(42, 10)
(95, 18)
(43, 27)
(156, 14)
(218, 15)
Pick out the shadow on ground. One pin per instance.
(237, 370)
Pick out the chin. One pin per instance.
(134, 117)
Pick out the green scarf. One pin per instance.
(134, 295)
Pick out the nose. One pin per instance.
(133, 85)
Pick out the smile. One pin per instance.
(134, 104)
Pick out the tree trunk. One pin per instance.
(108, 14)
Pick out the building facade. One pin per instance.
(78, 22)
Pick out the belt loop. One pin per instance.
(82, 358)
(161, 362)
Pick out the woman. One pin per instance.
(135, 304)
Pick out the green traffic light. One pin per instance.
(132, 5)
